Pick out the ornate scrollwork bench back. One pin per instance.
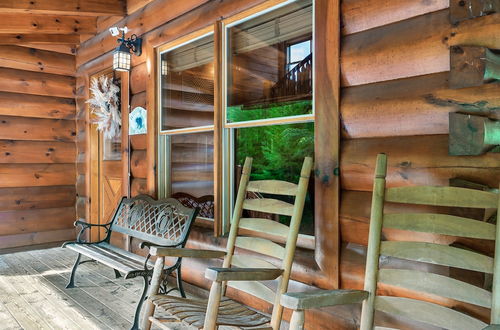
(165, 223)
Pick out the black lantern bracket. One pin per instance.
(134, 43)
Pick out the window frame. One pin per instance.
(163, 143)
(228, 148)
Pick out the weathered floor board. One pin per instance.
(33, 293)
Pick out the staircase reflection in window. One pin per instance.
(270, 65)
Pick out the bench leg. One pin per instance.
(135, 326)
(179, 282)
(117, 274)
(71, 283)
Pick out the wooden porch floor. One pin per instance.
(33, 293)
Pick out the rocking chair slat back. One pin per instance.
(261, 245)
(429, 252)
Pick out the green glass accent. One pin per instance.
(492, 66)
(492, 132)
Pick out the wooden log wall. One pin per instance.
(395, 98)
(37, 146)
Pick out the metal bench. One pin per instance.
(160, 223)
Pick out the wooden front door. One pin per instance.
(108, 161)
(105, 181)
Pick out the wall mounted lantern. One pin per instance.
(121, 55)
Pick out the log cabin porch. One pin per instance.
(216, 81)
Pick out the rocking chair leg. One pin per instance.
(179, 282)
(135, 326)
(117, 274)
(71, 282)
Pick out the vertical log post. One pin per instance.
(326, 106)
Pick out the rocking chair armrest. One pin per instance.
(242, 274)
(161, 251)
(322, 298)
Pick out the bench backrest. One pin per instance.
(164, 222)
(420, 285)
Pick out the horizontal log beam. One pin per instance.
(32, 221)
(39, 39)
(138, 186)
(414, 47)
(138, 164)
(35, 175)
(25, 198)
(30, 59)
(46, 24)
(138, 78)
(415, 160)
(64, 7)
(410, 48)
(138, 100)
(26, 152)
(36, 83)
(412, 106)
(361, 15)
(21, 105)
(140, 22)
(21, 128)
(42, 237)
(138, 142)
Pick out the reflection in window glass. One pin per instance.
(187, 85)
(278, 152)
(269, 71)
(192, 167)
(297, 52)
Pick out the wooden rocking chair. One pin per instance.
(214, 312)
(419, 282)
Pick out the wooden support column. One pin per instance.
(218, 120)
(150, 54)
(326, 88)
(125, 101)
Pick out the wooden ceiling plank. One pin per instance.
(46, 24)
(135, 5)
(23, 38)
(63, 49)
(65, 7)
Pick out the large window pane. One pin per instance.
(187, 85)
(278, 152)
(269, 71)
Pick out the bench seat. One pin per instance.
(122, 260)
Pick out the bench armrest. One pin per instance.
(242, 274)
(87, 224)
(160, 251)
(322, 298)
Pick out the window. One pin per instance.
(186, 143)
(263, 80)
(266, 111)
(269, 103)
